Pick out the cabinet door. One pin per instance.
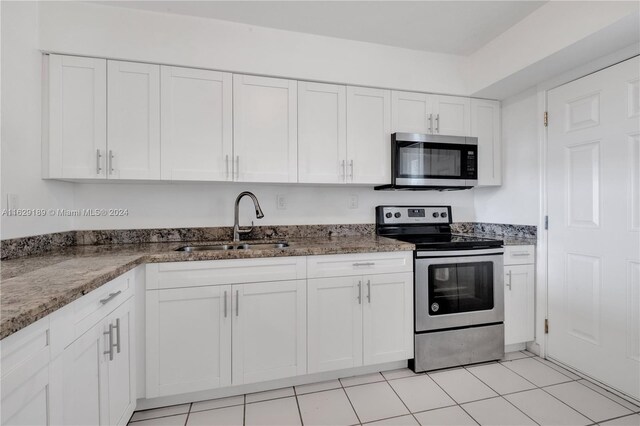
(519, 303)
(411, 112)
(265, 129)
(269, 331)
(121, 369)
(133, 123)
(368, 135)
(85, 383)
(335, 323)
(485, 125)
(196, 127)
(452, 115)
(75, 118)
(322, 133)
(188, 340)
(387, 317)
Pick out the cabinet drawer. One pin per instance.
(336, 265)
(519, 255)
(218, 272)
(93, 307)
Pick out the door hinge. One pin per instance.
(546, 222)
(546, 326)
(546, 119)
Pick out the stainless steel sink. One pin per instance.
(245, 246)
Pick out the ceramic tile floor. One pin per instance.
(520, 390)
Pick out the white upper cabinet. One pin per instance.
(75, 118)
(368, 135)
(196, 128)
(452, 115)
(133, 120)
(411, 112)
(485, 125)
(322, 133)
(265, 129)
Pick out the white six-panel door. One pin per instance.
(133, 120)
(594, 225)
(368, 135)
(197, 124)
(269, 330)
(76, 118)
(188, 339)
(322, 133)
(265, 140)
(335, 323)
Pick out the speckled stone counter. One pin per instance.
(35, 286)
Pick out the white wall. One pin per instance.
(21, 71)
(517, 200)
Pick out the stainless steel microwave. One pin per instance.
(420, 161)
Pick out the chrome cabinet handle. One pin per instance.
(344, 170)
(509, 282)
(110, 297)
(237, 302)
(364, 263)
(430, 123)
(110, 351)
(437, 123)
(237, 167)
(226, 162)
(110, 162)
(520, 254)
(359, 292)
(225, 304)
(369, 291)
(98, 157)
(117, 327)
(351, 174)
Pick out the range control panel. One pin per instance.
(413, 215)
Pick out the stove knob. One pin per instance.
(397, 214)
(436, 214)
(443, 214)
(388, 215)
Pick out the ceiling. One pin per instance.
(455, 27)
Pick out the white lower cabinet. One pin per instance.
(360, 320)
(519, 297)
(97, 371)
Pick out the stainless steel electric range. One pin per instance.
(458, 287)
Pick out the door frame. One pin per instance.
(540, 344)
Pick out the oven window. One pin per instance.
(416, 161)
(460, 287)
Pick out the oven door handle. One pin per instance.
(470, 252)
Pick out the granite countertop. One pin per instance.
(35, 286)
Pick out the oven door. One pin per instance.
(458, 288)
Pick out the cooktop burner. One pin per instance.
(428, 227)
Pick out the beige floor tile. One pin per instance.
(160, 412)
(212, 404)
(375, 401)
(633, 420)
(270, 394)
(462, 386)
(545, 409)
(275, 412)
(407, 420)
(328, 408)
(587, 401)
(420, 393)
(163, 421)
(497, 412)
(610, 395)
(510, 356)
(228, 416)
(558, 368)
(399, 374)
(500, 378)
(362, 379)
(536, 372)
(317, 387)
(449, 416)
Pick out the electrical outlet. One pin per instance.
(353, 201)
(281, 202)
(12, 201)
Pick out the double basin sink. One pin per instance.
(235, 246)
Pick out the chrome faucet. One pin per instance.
(237, 230)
